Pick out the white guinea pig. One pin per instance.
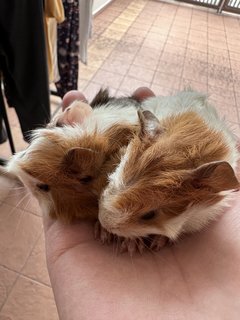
(176, 174)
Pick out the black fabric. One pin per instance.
(68, 48)
(23, 62)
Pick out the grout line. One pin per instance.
(155, 71)
(234, 92)
(19, 208)
(125, 76)
(11, 288)
(207, 54)
(31, 250)
(181, 77)
(36, 281)
(19, 274)
(117, 42)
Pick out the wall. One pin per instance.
(99, 4)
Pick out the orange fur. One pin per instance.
(166, 173)
(63, 164)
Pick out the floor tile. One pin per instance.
(6, 186)
(170, 67)
(220, 60)
(171, 48)
(234, 55)
(129, 84)
(141, 73)
(22, 198)
(195, 85)
(117, 66)
(7, 279)
(106, 78)
(220, 76)
(166, 80)
(29, 300)
(161, 90)
(86, 72)
(196, 54)
(157, 45)
(19, 231)
(224, 100)
(35, 267)
(91, 90)
(126, 56)
(195, 70)
(145, 62)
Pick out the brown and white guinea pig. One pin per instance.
(176, 174)
(66, 167)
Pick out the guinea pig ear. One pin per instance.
(102, 97)
(218, 176)
(149, 124)
(79, 160)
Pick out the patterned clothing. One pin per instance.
(68, 48)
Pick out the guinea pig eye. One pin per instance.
(86, 179)
(148, 216)
(43, 187)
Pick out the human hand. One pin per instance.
(197, 278)
(75, 109)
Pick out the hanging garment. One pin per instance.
(53, 14)
(23, 62)
(85, 27)
(68, 48)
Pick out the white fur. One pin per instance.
(185, 101)
(194, 218)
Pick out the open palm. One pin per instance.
(197, 278)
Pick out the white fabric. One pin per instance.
(85, 27)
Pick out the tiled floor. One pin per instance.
(164, 46)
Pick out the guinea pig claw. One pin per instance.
(97, 230)
(131, 246)
(158, 242)
(123, 246)
(140, 246)
(103, 235)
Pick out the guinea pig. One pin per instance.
(175, 175)
(66, 167)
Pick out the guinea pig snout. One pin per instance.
(111, 220)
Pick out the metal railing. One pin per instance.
(220, 5)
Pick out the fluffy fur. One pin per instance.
(66, 168)
(161, 169)
(176, 175)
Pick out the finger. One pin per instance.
(72, 96)
(142, 94)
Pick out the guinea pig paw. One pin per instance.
(102, 234)
(131, 246)
(158, 242)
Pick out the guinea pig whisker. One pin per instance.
(24, 197)
(145, 245)
(115, 246)
(16, 206)
(14, 193)
(18, 188)
(21, 216)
